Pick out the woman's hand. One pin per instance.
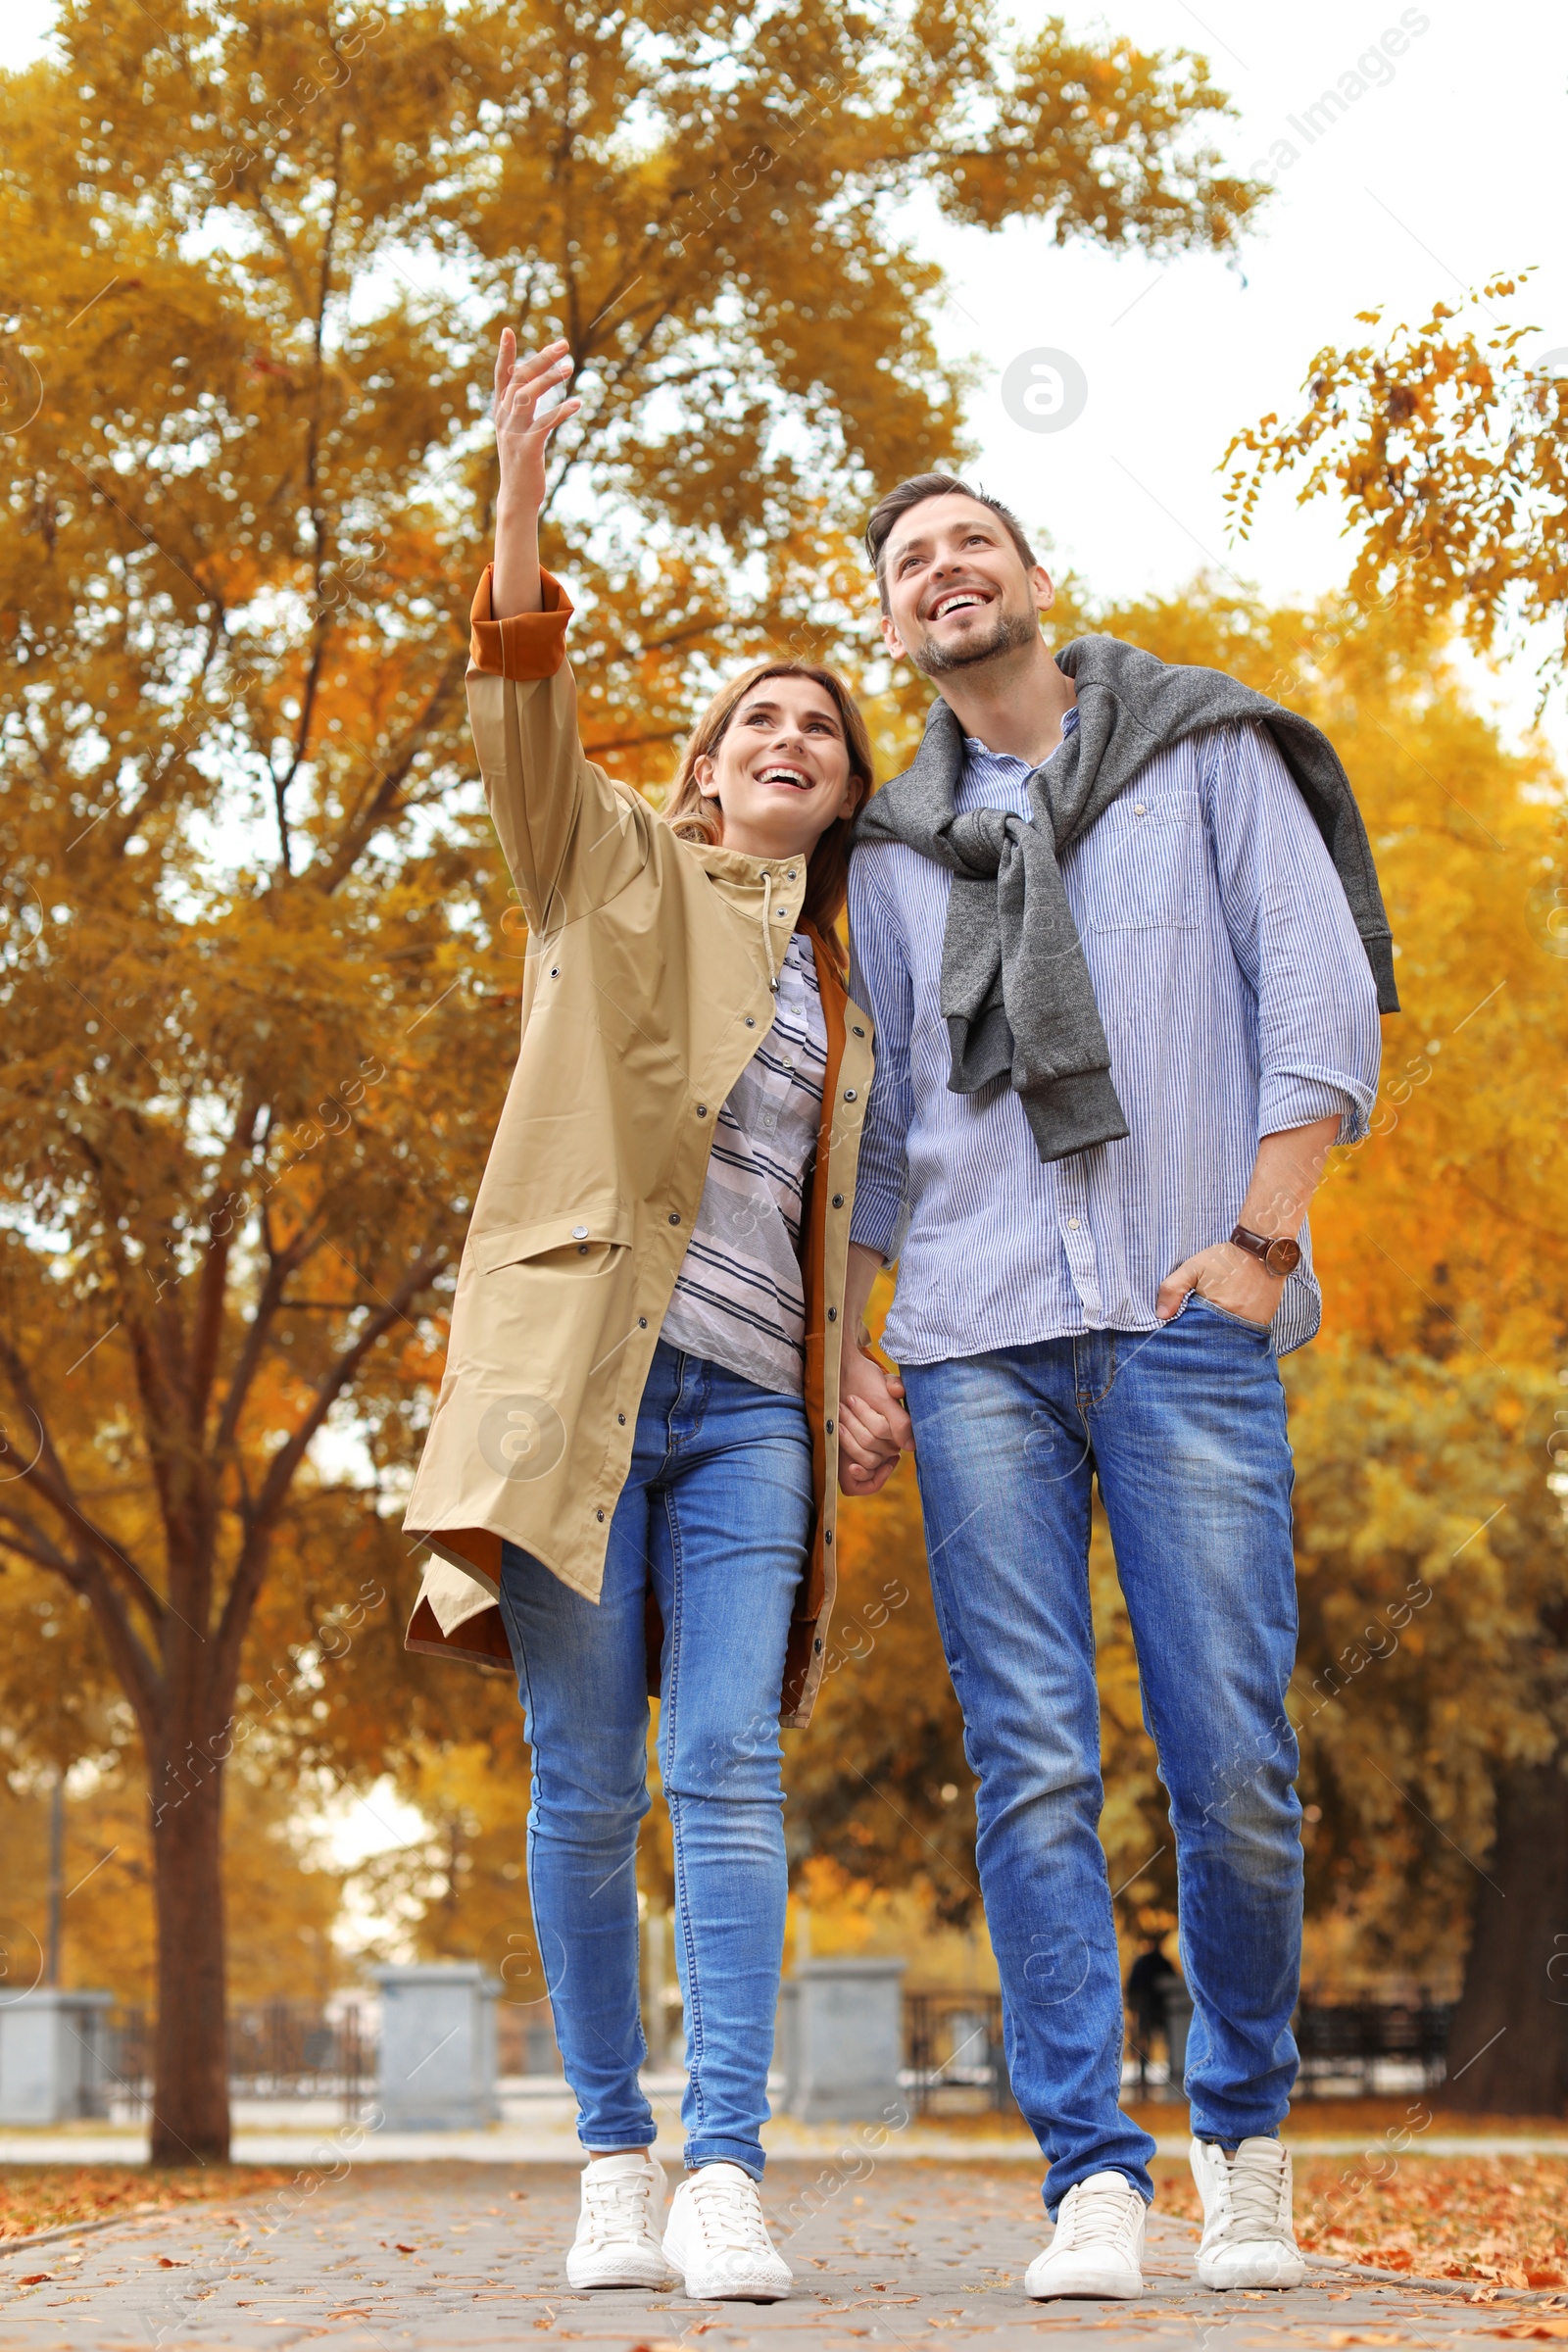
(874, 1426)
(521, 433)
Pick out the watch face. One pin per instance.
(1283, 1257)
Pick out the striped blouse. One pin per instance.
(739, 1297)
(1236, 1000)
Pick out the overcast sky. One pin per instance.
(1448, 169)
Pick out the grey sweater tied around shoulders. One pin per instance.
(1015, 989)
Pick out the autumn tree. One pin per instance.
(1447, 448)
(260, 967)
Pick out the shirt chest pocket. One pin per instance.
(1140, 867)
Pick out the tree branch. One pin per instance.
(252, 1565)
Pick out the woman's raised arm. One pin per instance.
(521, 432)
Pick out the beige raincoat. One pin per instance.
(647, 989)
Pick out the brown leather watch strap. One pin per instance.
(1278, 1252)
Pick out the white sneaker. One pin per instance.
(1099, 2245)
(618, 2229)
(719, 2242)
(1248, 2238)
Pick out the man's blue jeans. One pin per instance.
(1184, 1429)
(714, 1516)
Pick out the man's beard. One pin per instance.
(1012, 631)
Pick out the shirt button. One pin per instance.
(1072, 1224)
(1138, 810)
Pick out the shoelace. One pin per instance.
(1256, 2178)
(617, 2209)
(1092, 2210)
(728, 2214)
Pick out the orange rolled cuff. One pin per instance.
(530, 645)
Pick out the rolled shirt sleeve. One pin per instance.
(881, 982)
(1294, 940)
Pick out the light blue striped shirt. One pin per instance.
(1236, 1000)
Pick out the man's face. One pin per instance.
(957, 587)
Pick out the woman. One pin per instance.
(632, 1461)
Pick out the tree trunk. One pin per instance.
(1508, 2047)
(190, 2096)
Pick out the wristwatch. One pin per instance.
(1281, 1256)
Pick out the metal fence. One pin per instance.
(953, 2050)
(954, 2056)
(276, 2050)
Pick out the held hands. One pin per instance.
(1233, 1279)
(874, 1426)
(521, 431)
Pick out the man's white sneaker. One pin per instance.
(1099, 2245)
(719, 2242)
(618, 2229)
(1248, 2238)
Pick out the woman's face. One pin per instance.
(780, 772)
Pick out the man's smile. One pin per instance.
(958, 600)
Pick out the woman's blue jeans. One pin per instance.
(714, 1518)
(1184, 1428)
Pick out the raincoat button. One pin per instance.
(817, 1649)
(830, 1429)
(642, 1322)
(622, 1418)
(750, 1023)
(582, 1248)
(832, 1314)
(827, 1531)
(598, 1514)
(855, 1026)
(837, 1199)
(579, 1233)
(790, 876)
(849, 1094)
(675, 1216)
(702, 1110)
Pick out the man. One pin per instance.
(1120, 932)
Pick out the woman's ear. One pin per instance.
(706, 776)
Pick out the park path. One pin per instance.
(401, 2257)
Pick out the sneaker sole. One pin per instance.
(1098, 2285)
(737, 2290)
(734, 2288)
(1279, 2271)
(652, 2273)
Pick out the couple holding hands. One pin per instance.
(1118, 959)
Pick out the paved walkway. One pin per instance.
(397, 2258)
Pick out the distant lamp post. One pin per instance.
(57, 1880)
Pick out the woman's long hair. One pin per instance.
(699, 819)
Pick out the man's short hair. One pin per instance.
(914, 493)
